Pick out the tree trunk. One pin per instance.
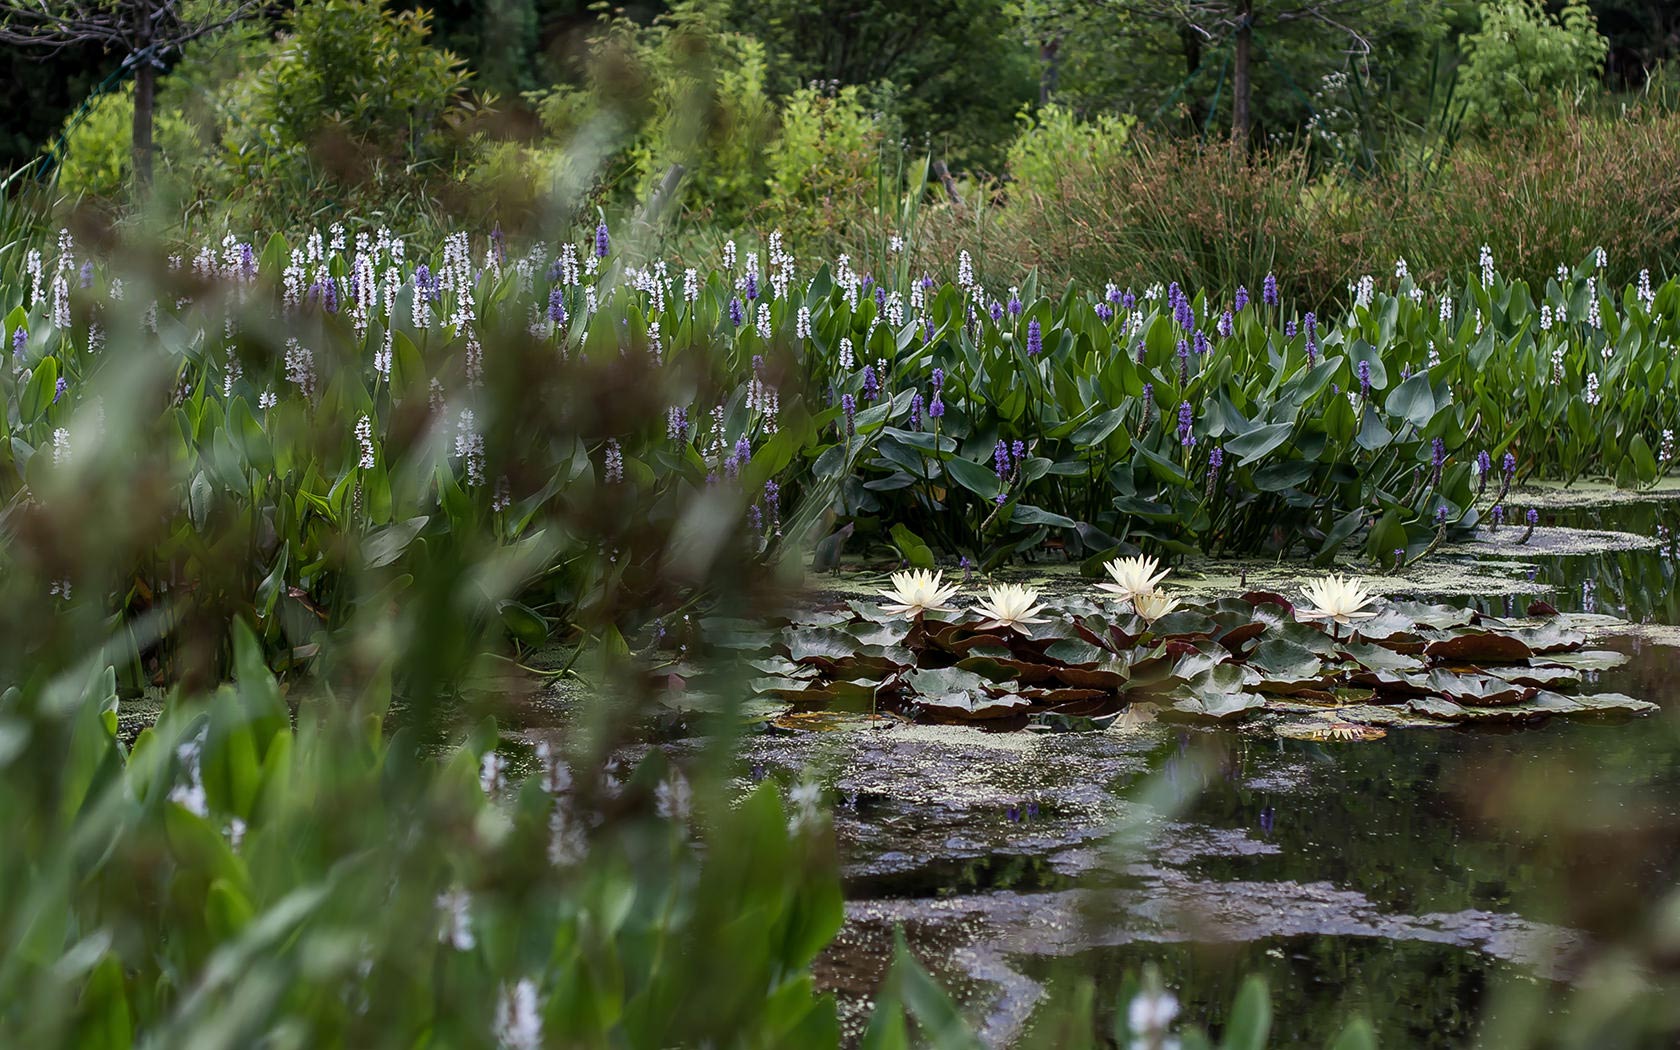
(1048, 53)
(1192, 44)
(1240, 73)
(145, 84)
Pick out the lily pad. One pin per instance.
(1110, 674)
(965, 705)
(1379, 658)
(945, 680)
(1478, 689)
(806, 644)
(1613, 704)
(1216, 707)
(1552, 637)
(1588, 659)
(1482, 647)
(1281, 660)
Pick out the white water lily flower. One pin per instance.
(1010, 605)
(1337, 598)
(1133, 576)
(1152, 605)
(916, 592)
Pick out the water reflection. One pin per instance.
(1637, 585)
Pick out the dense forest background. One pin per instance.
(1078, 132)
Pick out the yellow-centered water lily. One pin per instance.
(1133, 576)
(918, 591)
(1010, 605)
(1152, 605)
(1341, 599)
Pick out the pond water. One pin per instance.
(1415, 879)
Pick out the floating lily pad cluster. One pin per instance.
(1236, 658)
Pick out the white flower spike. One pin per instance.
(917, 592)
(1010, 605)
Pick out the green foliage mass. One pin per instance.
(956, 70)
(1054, 149)
(98, 158)
(1523, 57)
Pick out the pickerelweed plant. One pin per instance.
(351, 403)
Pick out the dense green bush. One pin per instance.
(353, 109)
(679, 90)
(98, 156)
(1522, 60)
(1055, 149)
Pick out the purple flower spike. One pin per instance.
(20, 338)
(871, 384)
(1510, 465)
(1365, 380)
(996, 311)
(916, 407)
(936, 408)
(1035, 338)
(848, 404)
(1239, 302)
(938, 379)
(1269, 291)
(1532, 517)
(602, 242)
(556, 307)
(1186, 420)
(736, 315)
(1000, 460)
(1216, 457)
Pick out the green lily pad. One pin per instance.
(1216, 707)
(1588, 659)
(1551, 637)
(966, 705)
(1281, 660)
(1439, 617)
(1541, 677)
(1478, 689)
(805, 644)
(1613, 704)
(945, 680)
(1378, 658)
(1077, 653)
(1480, 647)
(1110, 674)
